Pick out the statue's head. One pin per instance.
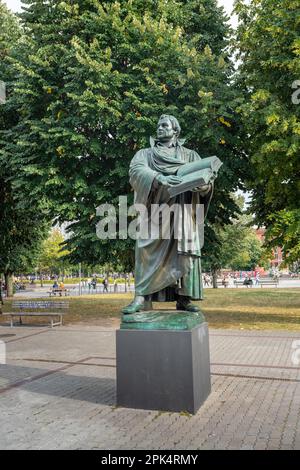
(167, 128)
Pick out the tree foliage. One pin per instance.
(92, 79)
(52, 255)
(284, 231)
(269, 48)
(241, 249)
(238, 245)
(22, 226)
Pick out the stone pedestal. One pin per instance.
(163, 369)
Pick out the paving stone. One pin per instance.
(58, 392)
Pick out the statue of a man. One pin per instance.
(166, 269)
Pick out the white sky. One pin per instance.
(15, 5)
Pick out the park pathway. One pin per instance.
(57, 391)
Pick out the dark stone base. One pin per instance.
(163, 369)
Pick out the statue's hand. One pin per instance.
(203, 190)
(173, 180)
(168, 180)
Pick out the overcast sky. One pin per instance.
(15, 5)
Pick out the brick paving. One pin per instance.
(57, 391)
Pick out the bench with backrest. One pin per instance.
(58, 291)
(261, 283)
(28, 308)
(238, 283)
(221, 283)
(268, 282)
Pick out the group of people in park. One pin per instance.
(229, 279)
(57, 285)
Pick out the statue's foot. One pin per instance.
(137, 305)
(184, 303)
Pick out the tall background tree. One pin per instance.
(91, 80)
(52, 255)
(239, 248)
(268, 39)
(22, 223)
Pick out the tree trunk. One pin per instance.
(1, 294)
(215, 278)
(9, 284)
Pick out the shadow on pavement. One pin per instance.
(99, 390)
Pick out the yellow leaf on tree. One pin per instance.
(271, 119)
(208, 51)
(223, 121)
(60, 150)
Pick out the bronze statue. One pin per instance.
(168, 172)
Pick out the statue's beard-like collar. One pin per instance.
(154, 141)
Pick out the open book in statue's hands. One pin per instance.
(196, 174)
(211, 163)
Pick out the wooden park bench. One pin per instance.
(241, 283)
(221, 284)
(262, 282)
(268, 282)
(28, 308)
(58, 291)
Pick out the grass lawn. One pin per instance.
(253, 309)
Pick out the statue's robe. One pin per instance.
(167, 267)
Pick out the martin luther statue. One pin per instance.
(170, 269)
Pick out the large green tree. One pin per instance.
(92, 79)
(22, 223)
(238, 247)
(52, 255)
(268, 39)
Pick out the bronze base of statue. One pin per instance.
(143, 303)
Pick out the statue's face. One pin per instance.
(165, 130)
